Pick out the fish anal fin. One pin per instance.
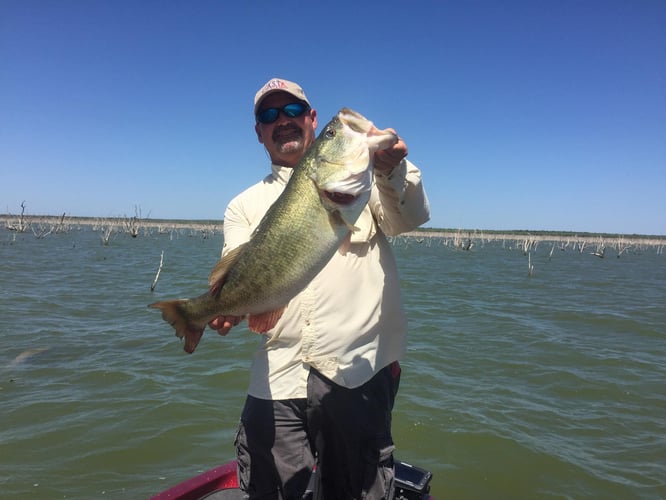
(218, 275)
(261, 323)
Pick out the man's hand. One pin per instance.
(224, 323)
(387, 159)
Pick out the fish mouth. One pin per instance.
(355, 121)
(347, 191)
(340, 198)
(378, 139)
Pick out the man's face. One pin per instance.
(286, 139)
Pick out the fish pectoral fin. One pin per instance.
(218, 275)
(172, 313)
(261, 323)
(345, 246)
(339, 218)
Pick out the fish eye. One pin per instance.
(330, 133)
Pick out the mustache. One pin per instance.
(285, 130)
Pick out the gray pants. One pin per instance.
(346, 431)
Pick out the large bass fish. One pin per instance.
(299, 234)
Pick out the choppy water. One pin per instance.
(550, 386)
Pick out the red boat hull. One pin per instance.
(219, 478)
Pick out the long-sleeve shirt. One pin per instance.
(348, 323)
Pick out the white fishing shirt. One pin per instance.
(349, 322)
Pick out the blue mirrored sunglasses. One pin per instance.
(291, 110)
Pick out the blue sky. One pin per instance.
(537, 115)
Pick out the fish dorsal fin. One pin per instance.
(218, 275)
(263, 322)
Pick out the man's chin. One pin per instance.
(290, 147)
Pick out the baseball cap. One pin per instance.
(279, 85)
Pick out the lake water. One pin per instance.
(514, 386)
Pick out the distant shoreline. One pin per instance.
(12, 222)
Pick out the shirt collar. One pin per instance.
(281, 174)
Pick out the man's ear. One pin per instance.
(260, 137)
(313, 115)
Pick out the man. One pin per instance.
(324, 388)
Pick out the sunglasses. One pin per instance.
(292, 110)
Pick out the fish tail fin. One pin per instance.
(173, 312)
